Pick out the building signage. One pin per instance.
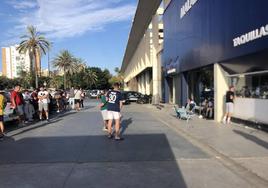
(171, 66)
(187, 7)
(170, 71)
(251, 36)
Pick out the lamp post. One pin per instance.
(48, 59)
(48, 64)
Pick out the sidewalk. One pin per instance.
(245, 146)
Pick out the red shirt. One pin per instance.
(18, 100)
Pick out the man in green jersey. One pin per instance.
(103, 107)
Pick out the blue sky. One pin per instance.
(94, 30)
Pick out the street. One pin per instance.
(72, 151)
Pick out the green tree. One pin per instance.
(102, 78)
(25, 79)
(90, 77)
(36, 45)
(65, 61)
(118, 78)
(43, 80)
(57, 82)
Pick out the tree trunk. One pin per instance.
(32, 68)
(35, 69)
(64, 78)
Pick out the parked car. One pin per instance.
(125, 98)
(9, 114)
(133, 96)
(144, 99)
(95, 93)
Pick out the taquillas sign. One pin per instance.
(187, 7)
(251, 36)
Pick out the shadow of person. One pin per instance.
(253, 138)
(124, 125)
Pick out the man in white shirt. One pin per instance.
(43, 103)
(77, 98)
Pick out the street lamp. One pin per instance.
(48, 64)
(48, 60)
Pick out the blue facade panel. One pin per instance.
(204, 35)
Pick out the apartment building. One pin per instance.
(14, 62)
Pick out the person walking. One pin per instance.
(83, 95)
(103, 107)
(43, 103)
(229, 105)
(77, 98)
(2, 109)
(114, 107)
(17, 103)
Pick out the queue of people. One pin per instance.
(29, 106)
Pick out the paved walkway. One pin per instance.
(245, 146)
(158, 151)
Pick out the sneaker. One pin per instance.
(110, 136)
(117, 138)
(104, 129)
(58, 111)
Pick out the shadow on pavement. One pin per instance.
(253, 138)
(124, 125)
(65, 114)
(13, 126)
(33, 127)
(138, 161)
(87, 107)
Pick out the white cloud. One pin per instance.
(24, 4)
(67, 18)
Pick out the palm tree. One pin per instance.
(56, 81)
(66, 62)
(90, 77)
(76, 74)
(36, 45)
(79, 64)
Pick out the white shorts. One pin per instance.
(229, 107)
(42, 106)
(104, 114)
(113, 115)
